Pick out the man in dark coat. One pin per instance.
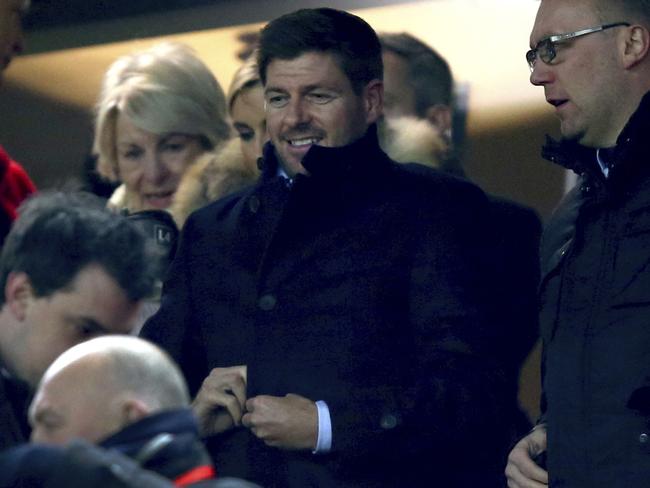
(593, 59)
(338, 309)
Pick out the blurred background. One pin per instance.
(50, 91)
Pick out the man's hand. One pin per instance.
(522, 471)
(220, 402)
(289, 422)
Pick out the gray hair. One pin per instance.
(163, 89)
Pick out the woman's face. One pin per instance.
(151, 165)
(249, 120)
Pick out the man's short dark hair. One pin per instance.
(58, 234)
(348, 37)
(429, 73)
(631, 11)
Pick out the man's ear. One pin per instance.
(440, 116)
(634, 45)
(373, 95)
(133, 409)
(18, 293)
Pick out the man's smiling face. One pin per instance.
(310, 101)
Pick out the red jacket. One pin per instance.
(15, 186)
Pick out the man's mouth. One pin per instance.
(302, 142)
(557, 102)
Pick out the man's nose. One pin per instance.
(541, 74)
(296, 112)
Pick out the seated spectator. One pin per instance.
(159, 109)
(70, 270)
(121, 393)
(125, 395)
(235, 165)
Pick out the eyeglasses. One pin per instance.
(545, 49)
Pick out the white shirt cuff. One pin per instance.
(324, 442)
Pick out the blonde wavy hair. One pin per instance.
(246, 76)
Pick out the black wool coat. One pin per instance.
(366, 285)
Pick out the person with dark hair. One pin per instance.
(592, 58)
(70, 270)
(418, 103)
(15, 184)
(418, 111)
(333, 317)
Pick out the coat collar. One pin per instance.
(630, 144)
(134, 436)
(333, 163)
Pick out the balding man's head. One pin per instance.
(100, 386)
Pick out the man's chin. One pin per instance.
(572, 135)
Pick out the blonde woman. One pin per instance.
(159, 110)
(235, 165)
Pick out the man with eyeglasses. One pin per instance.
(593, 59)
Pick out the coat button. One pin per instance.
(644, 438)
(388, 421)
(267, 302)
(254, 204)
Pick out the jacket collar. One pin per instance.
(630, 143)
(333, 163)
(134, 436)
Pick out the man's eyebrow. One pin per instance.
(91, 324)
(274, 89)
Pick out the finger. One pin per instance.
(251, 403)
(524, 470)
(242, 370)
(247, 420)
(237, 388)
(517, 480)
(214, 400)
(226, 380)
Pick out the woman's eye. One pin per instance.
(246, 136)
(174, 146)
(132, 154)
